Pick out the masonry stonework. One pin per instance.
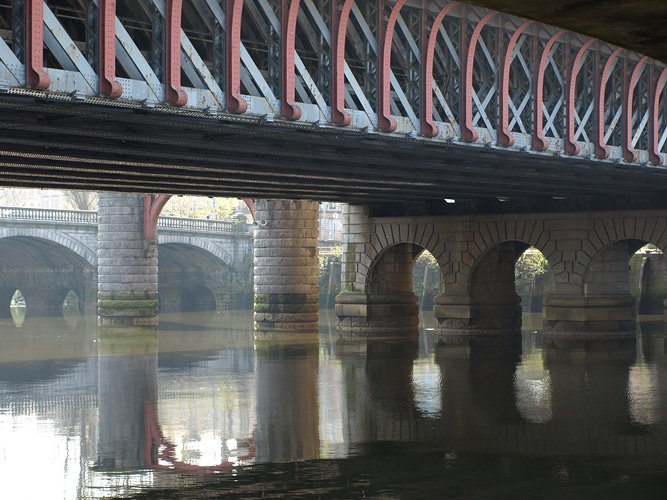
(286, 267)
(127, 292)
(588, 254)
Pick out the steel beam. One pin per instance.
(655, 154)
(428, 127)
(385, 36)
(629, 153)
(36, 76)
(468, 132)
(505, 137)
(601, 149)
(174, 94)
(109, 86)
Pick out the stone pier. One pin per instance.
(387, 305)
(286, 267)
(127, 264)
(489, 306)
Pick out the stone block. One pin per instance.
(281, 317)
(269, 251)
(286, 281)
(568, 244)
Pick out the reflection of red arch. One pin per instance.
(154, 440)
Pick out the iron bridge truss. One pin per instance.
(327, 99)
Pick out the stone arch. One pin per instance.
(609, 231)
(193, 241)
(45, 269)
(606, 284)
(200, 299)
(394, 264)
(490, 235)
(388, 304)
(388, 235)
(59, 238)
(185, 269)
(604, 305)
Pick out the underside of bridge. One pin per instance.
(79, 146)
(638, 25)
(406, 143)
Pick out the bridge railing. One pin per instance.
(196, 224)
(47, 214)
(90, 217)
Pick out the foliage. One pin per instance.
(433, 279)
(19, 197)
(531, 277)
(530, 266)
(198, 207)
(81, 200)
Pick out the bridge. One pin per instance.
(204, 264)
(482, 123)
(320, 99)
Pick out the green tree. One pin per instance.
(430, 285)
(531, 276)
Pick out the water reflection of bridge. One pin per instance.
(48, 254)
(191, 408)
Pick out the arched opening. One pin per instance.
(18, 300)
(71, 304)
(17, 307)
(608, 305)
(403, 280)
(389, 304)
(506, 279)
(426, 285)
(426, 280)
(192, 279)
(199, 299)
(532, 279)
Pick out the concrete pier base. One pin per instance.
(460, 318)
(44, 302)
(286, 268)
(390, 314)
(127, 292)
(597, 316)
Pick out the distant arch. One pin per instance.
(58, 238)
(45, 267)
(190, 241)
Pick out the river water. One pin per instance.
(200, 410)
